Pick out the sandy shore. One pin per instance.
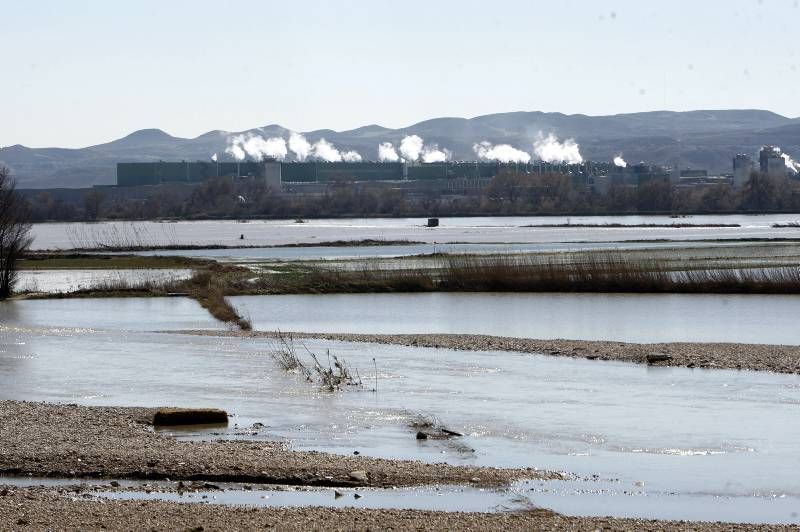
(43, 508)
(114, 442)
(755, 357)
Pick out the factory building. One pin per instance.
(742, 169)
(771, 162)
(300, 175)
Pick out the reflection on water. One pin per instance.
(621, 317)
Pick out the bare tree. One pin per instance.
(15, 230)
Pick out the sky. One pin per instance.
(84, 72)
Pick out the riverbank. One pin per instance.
(754, 357)
(48, 508)
(70, 441)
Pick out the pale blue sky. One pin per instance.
(81, 72)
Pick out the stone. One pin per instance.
(655, 358)
(421, 435)
(359, 476)
(190, 416)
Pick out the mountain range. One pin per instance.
(695, 139)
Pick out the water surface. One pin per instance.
(699, 439)
(645, 318)
(468, 229)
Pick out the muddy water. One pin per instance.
(642, 318)
(706, 444)
(472, 230)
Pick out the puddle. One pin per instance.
(437, 498)
(583, 497)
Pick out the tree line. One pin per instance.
(506, 194)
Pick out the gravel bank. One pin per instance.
(45, 508)
(116, 442)
(755, 357)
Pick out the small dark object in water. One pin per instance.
(356, 453)
(422, 436)
(657, 357)
(433, 222)
(451, 432)
(241, 237)
(356, 496)
(337, 494)
(190, 416)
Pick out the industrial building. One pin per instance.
(742, 169)
(771, 162)
(299, 176)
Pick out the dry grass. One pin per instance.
(607, 273)
(331, 378)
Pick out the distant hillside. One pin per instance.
(700, 139)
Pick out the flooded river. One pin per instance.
(663, 442)
(472, 230)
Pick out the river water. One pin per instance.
(473, 230)
(663, 442)
(644, 318)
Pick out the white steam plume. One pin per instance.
(214, 157)
(299, 146)
(351, 156)
(411, 148)
(502, 153)
(387, 153)
(619, 161)
(432, 154)
(326, 151)
(792, 165)
(236, 151)
(256, 147)
(551, 150)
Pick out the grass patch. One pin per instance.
(577, 272)
(85, 261)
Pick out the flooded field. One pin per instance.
(475, 230)
(64, 281)
(332, 253)
(663, 442)
(646, 318)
